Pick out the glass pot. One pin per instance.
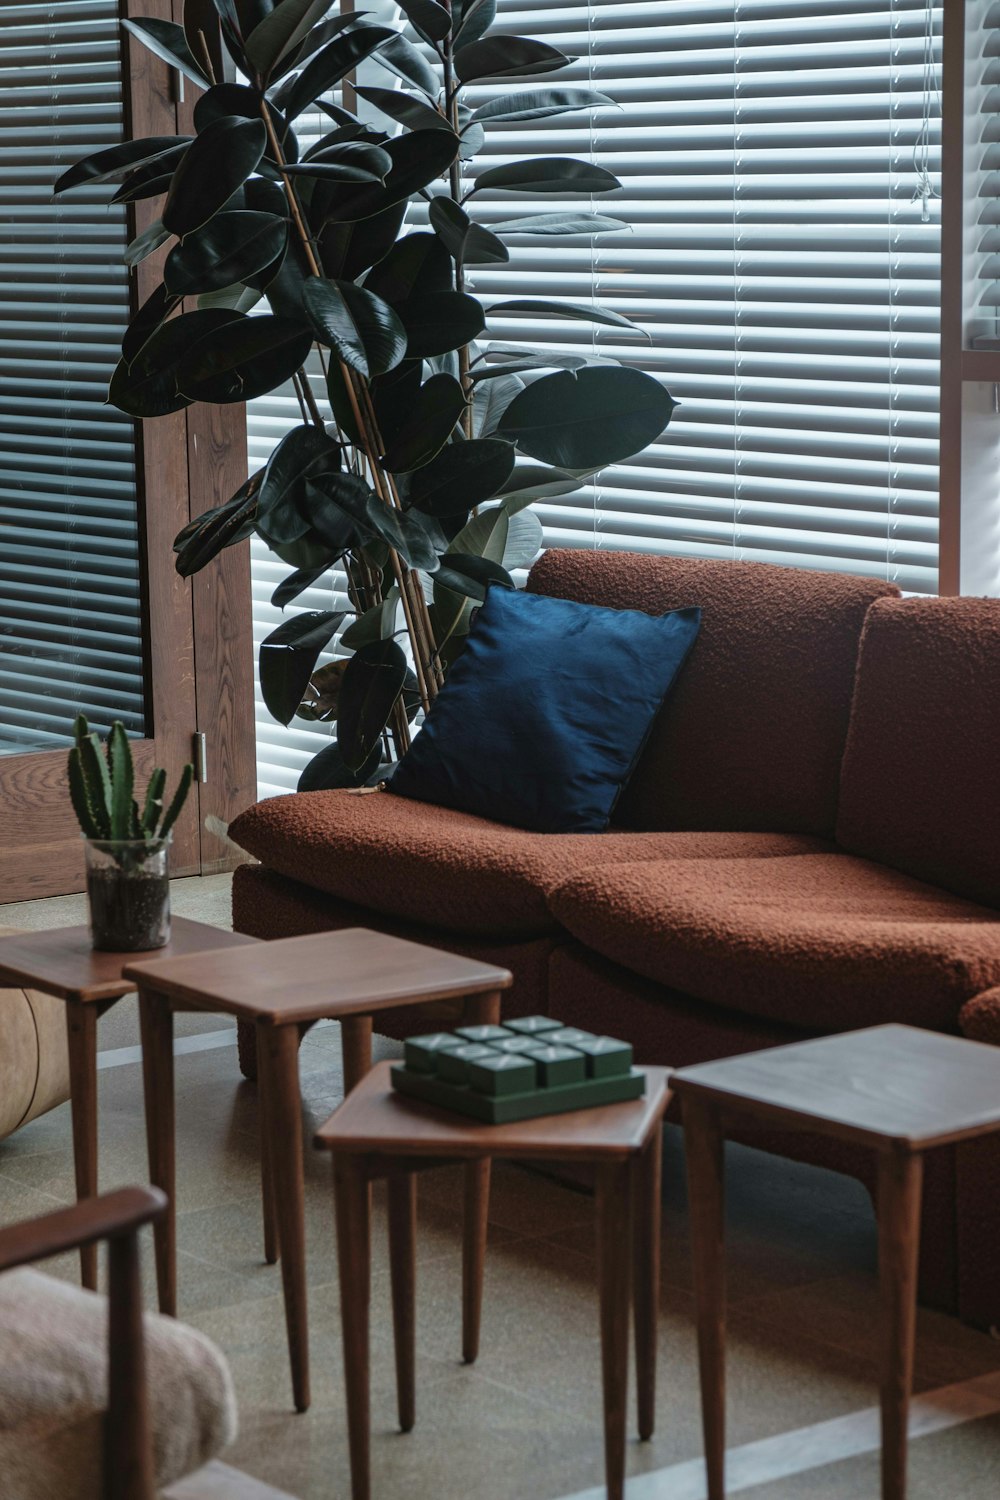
(128, 888)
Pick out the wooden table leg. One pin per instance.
(402, 1189)
(474, 1230)
(356, 1044)
(614, 1268)
(900, 1183)
(278, 1061)
(703, 1143)
(647, 1171)
(272, 1243)
(81, 1035)
(351, 1195)
(156, 1024)
(477, 1010)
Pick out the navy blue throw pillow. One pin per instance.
(543, 716)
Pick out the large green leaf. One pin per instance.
(415, 114)
(473, 20)
(215, 165)
(221, 527)
(245, 359)
(158, 305)
(417, 159)
(282, 32)
(288, 656)
(229, 248)
(415, 265)
(515, 363)
(469, 243)
(346, 250)
(466, 574)
(117, 162)
(461, 476)
(429, 20)
(296, 58)
(547, 174)
(401, 57)
(302, 453)
(503, 535)
(417, 538)
(538, 104)
(364, 330)
(376, 624)
(595, 417)
(166, 40)
(329, 66)
(345, 170)
(373, 681)
(438, 406)
(152, 178)
(295, 584)
(148, 386)
(393, 395)
(328, 771)
(238, 99)
(490, 399)
(580, 312)
(560, 223)
(146, 243)
(436, 322)
(495, 56)
(337, 506)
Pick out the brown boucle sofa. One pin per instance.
(808, 844)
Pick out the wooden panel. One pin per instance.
(41, 849)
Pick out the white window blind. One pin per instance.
(779, 162)
(70, 633)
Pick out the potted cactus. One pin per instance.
(127, 847)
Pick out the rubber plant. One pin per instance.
(415, 474)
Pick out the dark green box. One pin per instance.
(503, 1109)
(491, 1034)
(422, 1052)
(558, 1065)
(453, 1065)
(503, 1073)
(606, 1057)
(532, 1025)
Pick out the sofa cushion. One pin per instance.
(752, 735)
(825, 942)
(53, 1392)
(543, 716)
(449, 869)
(921, 779)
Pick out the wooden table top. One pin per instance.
(375, 1119)
(884, 1086)
(321, 976)
(61, 961)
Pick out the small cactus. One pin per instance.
(102, 786)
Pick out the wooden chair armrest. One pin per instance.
(105, 1218)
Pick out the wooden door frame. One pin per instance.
(197, 634)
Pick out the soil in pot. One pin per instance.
(129, 913)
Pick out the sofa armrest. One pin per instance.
(979, 1018)
(109, 1217)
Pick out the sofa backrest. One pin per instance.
(920, 788)
(752, 734)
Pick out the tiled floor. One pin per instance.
(524, 1424)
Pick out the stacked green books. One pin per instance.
(534, 1066)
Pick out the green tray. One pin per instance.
(501, 1109)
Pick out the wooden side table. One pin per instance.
(62, 962)
(282, 987)
(895, 1089)
(378, 1132)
